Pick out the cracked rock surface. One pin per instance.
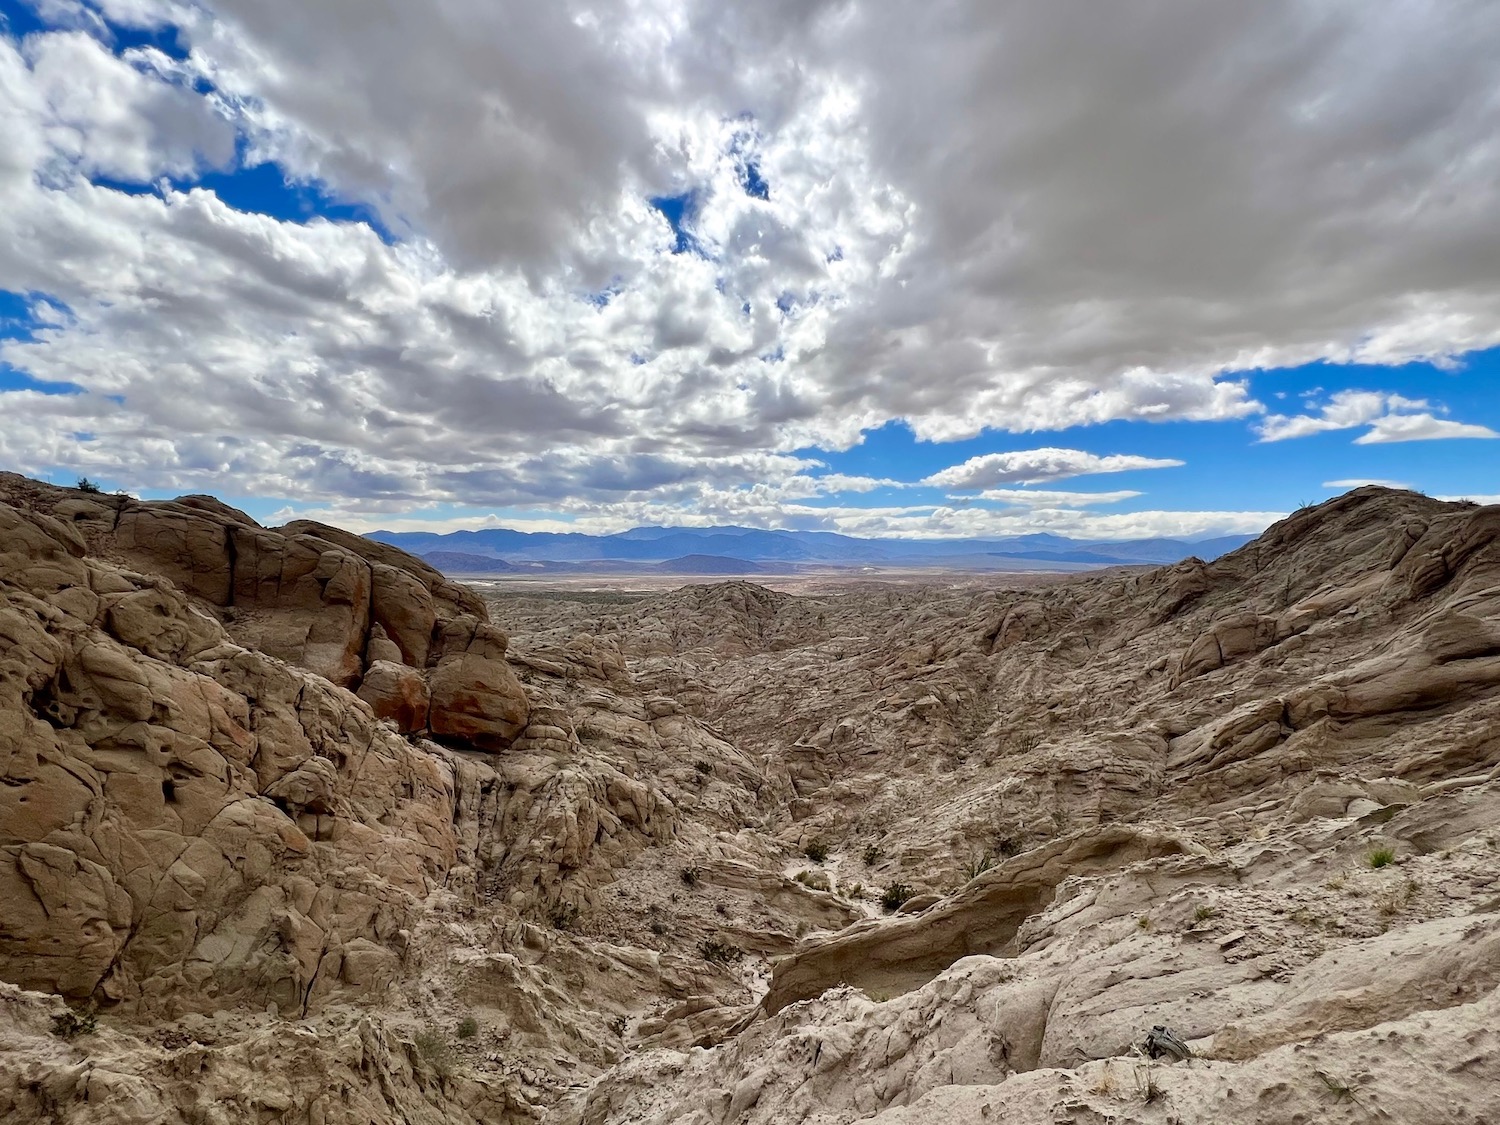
(292, 830)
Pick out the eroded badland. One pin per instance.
(295, 829)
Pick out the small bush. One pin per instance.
(817, 851)
(1204, 913)
(71, 1024)
(1143, 922)
(690, 876)
(977, 867)
(468, 1027)
(705, 768)
(564, 916)
(86, 485)
(1381, 857)
(872, 855)
(719, 953)
(895, 895)
(1006, 846)
(618, 1025)
(659, 927)
(435, 1050)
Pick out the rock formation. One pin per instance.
(291, 830)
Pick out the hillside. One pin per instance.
(293, 828)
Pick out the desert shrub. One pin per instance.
(895, 895)
(86, 485)
(468, 1027)
(564, 916)
(71, 1024)
(978, 866)
(872, 855)
(690, 875)
(659, 927)
(433, 1046)
(1204, 913)
(817, 851)
(618, 1025)
(705, 768)
(1006, 846)
(1381, 857)
(718, 952)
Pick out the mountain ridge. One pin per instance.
(756, 545)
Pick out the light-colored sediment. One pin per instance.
(285, 807)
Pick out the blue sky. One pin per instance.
(422, 272)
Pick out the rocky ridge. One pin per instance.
(280, 804)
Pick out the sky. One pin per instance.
(958, 268)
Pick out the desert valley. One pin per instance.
(296, 829)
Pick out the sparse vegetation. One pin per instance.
(1204, 912)
(705, 768)
(1145, 1084)
(564, 916)
(435, 1050)
(977, 867)
(659, 927)
(618, 1025)
(717, 952)
(86, 485)
(1338, 1089)
(690, 875)
(896, 895)
(1381, 857)
(1006, 846)
(1396, 900)
(817, 851)
(468, 1027)
(73, 1023)
(872, 855)
(1144, 923)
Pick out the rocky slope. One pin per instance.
(291, 831)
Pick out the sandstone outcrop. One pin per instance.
(292, 830)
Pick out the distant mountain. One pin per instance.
(647, 546)
(456, 562)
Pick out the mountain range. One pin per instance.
(726, 550)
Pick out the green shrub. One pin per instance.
(895, 895)
(468, 1027)
(719, 953)
(435, 1050)
(71, 1024)
(977, 867)
(1204, 913)
(86, 485)
(817, 851)
(1381, 857)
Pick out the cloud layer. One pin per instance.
(967, 216)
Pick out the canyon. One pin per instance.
(295, 828)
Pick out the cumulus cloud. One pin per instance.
(969, 217)
(1362, 483)
(1039, 466)
(1391, 418)
(1041, 498)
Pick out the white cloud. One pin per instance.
(978, 217)
(1362, 483)
(1420, 427)
(1391, 418)
(1039, 466)
(1472, 498)
(1040, 498)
